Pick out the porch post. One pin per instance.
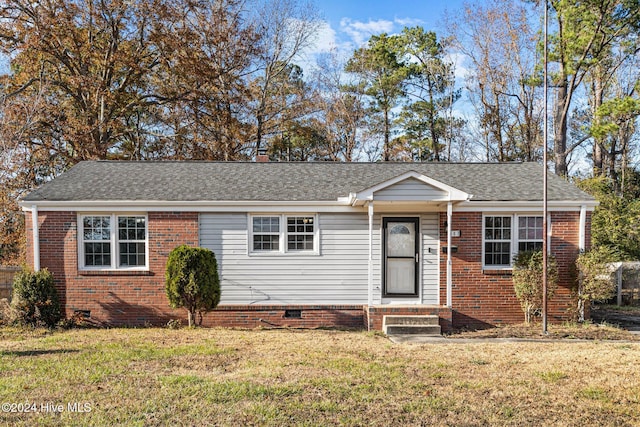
(36, 238)
(370, 271)
(449, 275)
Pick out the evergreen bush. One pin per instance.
(35, 298)
(192, 280)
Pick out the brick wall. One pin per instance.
(117, 297)
(484, 298)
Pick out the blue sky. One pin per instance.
(350, 23)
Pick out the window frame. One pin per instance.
(283, 235)
(514, 240)
(113, 241)
(264, 233)
(499, 241)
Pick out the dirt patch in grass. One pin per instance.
(583, 331)
(284, 377)
(624, 317)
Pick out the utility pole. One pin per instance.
(544, 178)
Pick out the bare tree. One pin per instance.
(503, 81)
(286, 29)
(342, 108)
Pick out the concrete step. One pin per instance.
(411, 320)
(411, 325)
(413, 330)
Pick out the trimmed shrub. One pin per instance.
(35, 298)
(192, 280)
(527, 281)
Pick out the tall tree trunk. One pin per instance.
(259, 125)
(598, 143)
(387, 131)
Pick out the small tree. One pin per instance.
(192, 280)
(35, 298)
(596, 281)
(527, 280)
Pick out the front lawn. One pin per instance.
(285, 377)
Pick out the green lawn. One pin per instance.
(283, 377)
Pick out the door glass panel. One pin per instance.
(401, 239)
(400, 276)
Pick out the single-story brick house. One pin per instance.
(305, 244)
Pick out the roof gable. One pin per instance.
(411, 186)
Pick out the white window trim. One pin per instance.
(115, 248)
(283, 235)
(514, 237)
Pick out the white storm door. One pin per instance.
(401, 256)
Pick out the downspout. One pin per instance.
(370, 268)
(36, 238)
(582, 232)
(449, 265)
(549, 233)
(582, 238)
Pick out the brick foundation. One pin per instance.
(311, 316)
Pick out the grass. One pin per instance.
(284, 377)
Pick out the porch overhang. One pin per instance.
(437, 196)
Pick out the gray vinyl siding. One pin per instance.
(337, 275)
(430, 264)
(409, 190)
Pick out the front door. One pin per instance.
(401, 257)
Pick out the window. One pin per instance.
(530, 233)
(266, 233)
(300, 233)
(96, 237)
(283, 234)
(132, 240)
(111, 242)
(505, 235)
(497, 240)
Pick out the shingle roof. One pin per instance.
(243, 181)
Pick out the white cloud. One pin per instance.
(325, 40)
(460, 65)
(361, 31)
(408, 22)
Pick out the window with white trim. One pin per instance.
(283, 234)
(530, 233)
(300, 233)
(497, 240)
(506, 235)
(112, 242)
(266, 233)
